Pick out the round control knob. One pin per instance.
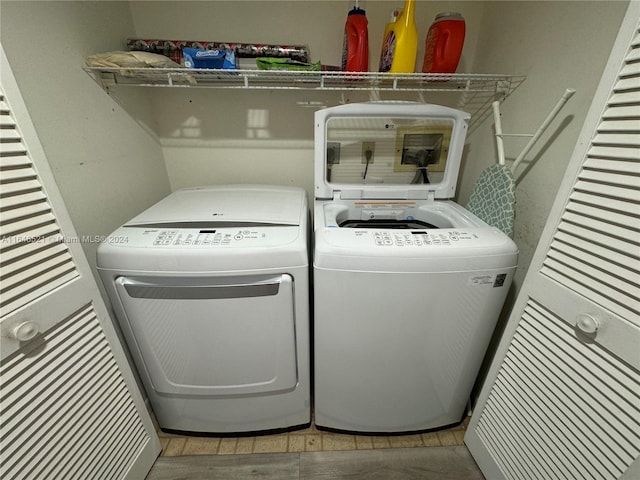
(587, 324)
(25, 331)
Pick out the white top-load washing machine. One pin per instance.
(211, 289)
(408, 285)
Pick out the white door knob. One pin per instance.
(24, 331)
(587, 324)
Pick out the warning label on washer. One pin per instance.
(494, 280)
(500, 278)
(481, 280)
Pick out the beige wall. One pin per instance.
(214, 138)
(106, 166)
(115, 155)
(219, 137)
(556, 45)
(319, 24)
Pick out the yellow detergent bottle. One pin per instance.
(400, 43)
(388, 27)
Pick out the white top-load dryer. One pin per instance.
(211, 289)
(408, 285)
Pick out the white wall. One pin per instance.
(318, 24)
(263, 136)
(106, 166)
(556, 45)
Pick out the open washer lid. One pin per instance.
(388, 150)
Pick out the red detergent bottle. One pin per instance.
(355, 51)
(444, 43)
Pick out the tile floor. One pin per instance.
(307, 440)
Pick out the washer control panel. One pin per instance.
(386, 238)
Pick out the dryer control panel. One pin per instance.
(206, 237)
(198, 238)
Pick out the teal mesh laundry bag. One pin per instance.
(493, 198)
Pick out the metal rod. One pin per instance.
(568, 93)
(498, 126)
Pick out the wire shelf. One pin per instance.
(303, 80)
(473, 92)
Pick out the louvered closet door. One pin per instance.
(562, 398)
(69, 404)
(35, 257)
